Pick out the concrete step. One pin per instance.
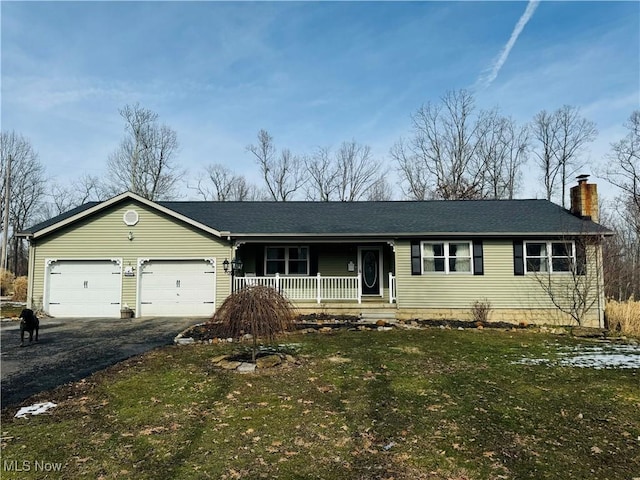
(368, 315)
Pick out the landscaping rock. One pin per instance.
(245, 367)
(268, 361)
(184, 341)
(219, 358)
(227, 365)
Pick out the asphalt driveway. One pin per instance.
(71, 349)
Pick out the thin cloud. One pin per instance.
(486, 80)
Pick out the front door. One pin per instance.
(371, 270)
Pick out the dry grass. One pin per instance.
(20, 289)
(6, 281)
(624, 316)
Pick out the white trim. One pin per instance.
(380, 270)
(117, 199)
(446, 257)
(287, 259)
(549, 256)
(130, 221)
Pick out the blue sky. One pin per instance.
(311, 73)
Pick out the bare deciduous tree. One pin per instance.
(623, 250)
(380, 190)
(222, 185)
(283, 173)
(322, 175)
(357, 171)
(502, 149)
(455, 154)
(576, 291)
(27, 177)
(144, 163)
(624, 166)
(61, 198)
(560, 137)
(347, 176)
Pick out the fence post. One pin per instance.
(359, 287)
(278, 282)
(318, 288)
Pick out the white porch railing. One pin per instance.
(392, 288)
(316, 288)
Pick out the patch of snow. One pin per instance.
(35, 409)
(591, 356)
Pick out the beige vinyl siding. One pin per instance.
(498, 285)
(105, 236)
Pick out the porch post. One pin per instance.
(359, 287)
(318, 288)
(277, 285)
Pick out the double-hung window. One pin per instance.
(446, 257)
(289, 260)
(554, 257)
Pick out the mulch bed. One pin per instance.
(212, 331)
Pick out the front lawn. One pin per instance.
(401, 404)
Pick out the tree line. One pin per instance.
(452, 151)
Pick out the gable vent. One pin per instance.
(130, 217)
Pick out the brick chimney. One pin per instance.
(584, 199)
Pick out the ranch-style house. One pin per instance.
(397, 259)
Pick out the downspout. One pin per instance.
(599, 285)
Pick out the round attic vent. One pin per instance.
(130, 217)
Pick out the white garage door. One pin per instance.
(177, 288)
(84, 288)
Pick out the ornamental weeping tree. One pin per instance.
(259, 311)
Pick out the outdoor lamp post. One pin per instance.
(232, 267)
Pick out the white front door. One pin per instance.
(83, 288)
(177, 288)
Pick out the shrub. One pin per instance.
(20, 286)
(6, 281)
(259, 311)
(480, 311)
(624, 316)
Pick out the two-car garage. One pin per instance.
(164, 287)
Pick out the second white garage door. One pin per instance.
(177, 288)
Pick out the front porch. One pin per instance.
(331, 276)
(320, 289)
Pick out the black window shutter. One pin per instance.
(260, 261)
(478, 261)
(518, 258)
(416, 258)
(581, 258)
(313, 260)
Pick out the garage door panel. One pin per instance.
(82, 288)
(177, 287)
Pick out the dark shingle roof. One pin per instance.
(395, 218)
(387, 218)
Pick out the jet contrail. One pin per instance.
(486, 80)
